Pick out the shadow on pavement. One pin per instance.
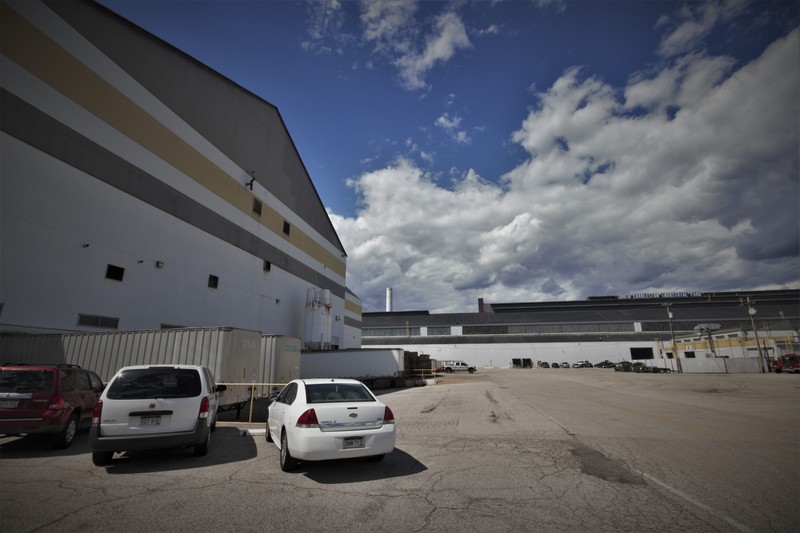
(396, 464)
(227, 446)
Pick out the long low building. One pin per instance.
(614, 328)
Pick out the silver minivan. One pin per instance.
(152, 407)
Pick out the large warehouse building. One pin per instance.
(143, 190)
(703, 326)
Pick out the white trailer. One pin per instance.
(280, 360)
(358, 364)
(233, 355)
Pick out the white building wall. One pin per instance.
(499, 355)
(350, 322)
(60, 227)
(50, 211)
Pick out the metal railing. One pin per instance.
(253, 387)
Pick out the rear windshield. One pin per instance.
(26, 380)
(338, 392)
(157, 382)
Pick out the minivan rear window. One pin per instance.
(26, 380)
(156, 382)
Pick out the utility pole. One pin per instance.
(672, 335)
(752, 311)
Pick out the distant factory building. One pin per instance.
(747, 324)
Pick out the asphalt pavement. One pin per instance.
(500, 450)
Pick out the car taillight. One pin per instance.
(56, 402)
(204, 403)
(308, 420)
(388, 416)
(97, 412)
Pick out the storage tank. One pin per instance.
(318, 319)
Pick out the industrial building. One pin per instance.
(143, 190)
(703, 327)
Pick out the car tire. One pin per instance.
(448, 370)
(268, 435)
(64, 438)
(102, 458)
(202, 448)
(471, 370)
(287, 461)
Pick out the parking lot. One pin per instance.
(499, 450)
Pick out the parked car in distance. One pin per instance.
(604, 364)
(786, 363)
(564, 365)
(153, 407)
(545, 364)
(329, 418)
(449, 367)
(555, 365)
(623, 366)
(53, 399)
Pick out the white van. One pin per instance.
(152, 407)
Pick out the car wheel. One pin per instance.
(202, 448)
(287, 461)
(269, 436)
(471, 370)
(65, 437)
(102, 458)
(448, 370)
(213, 427)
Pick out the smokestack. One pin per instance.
(480, 305)
(389, 300)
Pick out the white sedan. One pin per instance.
(330, 418)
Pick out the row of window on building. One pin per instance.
(523, 329)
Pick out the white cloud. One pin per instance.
(450, 35)
(450, 124)
(617, 195)
(387, 23)
(325, 22)
(695, 23)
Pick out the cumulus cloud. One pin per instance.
(685, 179)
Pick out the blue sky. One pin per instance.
(528, 150)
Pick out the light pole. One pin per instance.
(752, 311)
(672, 335)
(707, 329)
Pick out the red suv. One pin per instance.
(47, 398)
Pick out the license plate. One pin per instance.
(353, 442)
(8, 404)
(151, 420)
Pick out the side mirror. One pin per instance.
(220, 388)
